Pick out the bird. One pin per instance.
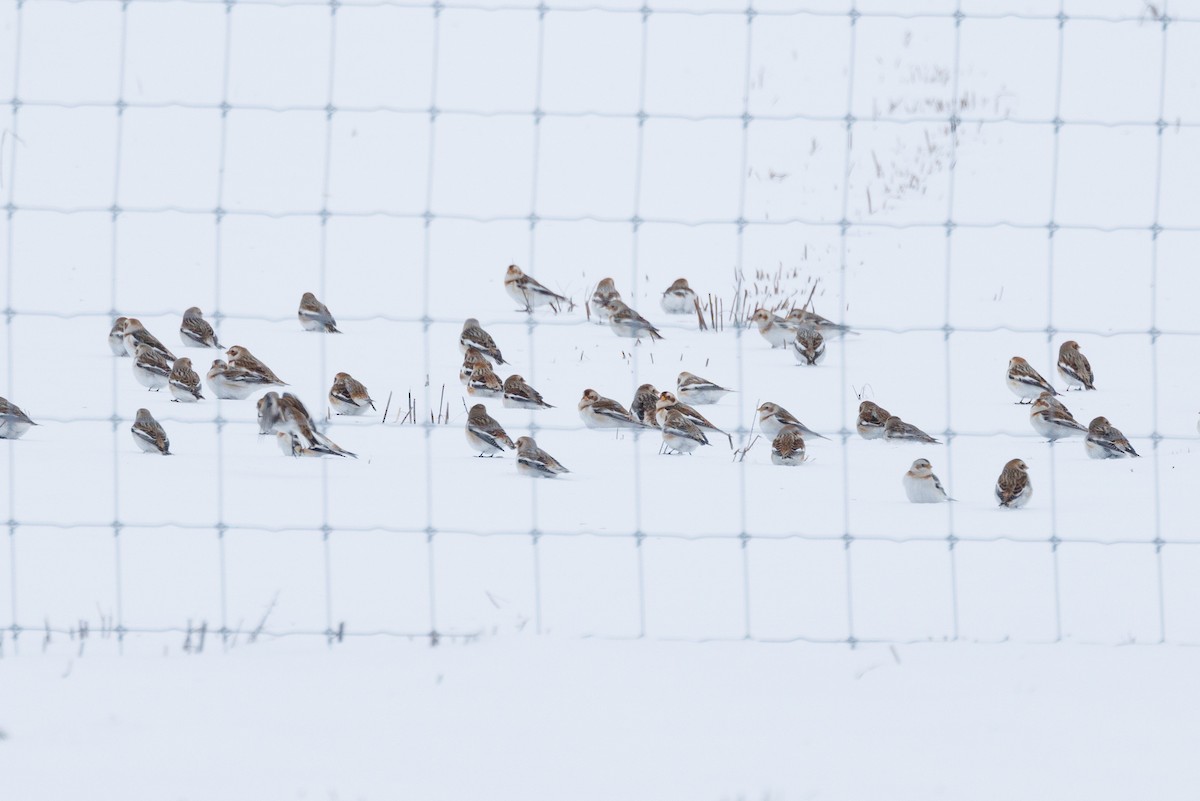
(519, 395)
(679, 298)
(149, 435)
(349, 396)
(484, 383)
(535, 462)
(472, 359)
(314, 315)
(150, 368)
(787, 448)
(1053, 420)
(116, 337)
(231, 383)
(597, 411)
(644, 402)
(625, 322)
(195, 331)
(269, 412)
(258, 372)
(922, 486)
(1074, 367)
(773, 329)
(525, 290)
(668, 402)
(484, 434)
(808, 346)
(802, 316)
(680, 434)
(14, 423)
(475, 337)
(291, 445)
(1013, 488)
(605, 291)
(772, 418)
(694, 389)
(136, 334)
(872, 418)
(1025, 382)
(294, 417)
(183, 382)
(895, 428)
(1105, 442)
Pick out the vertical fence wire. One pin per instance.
(9, 314)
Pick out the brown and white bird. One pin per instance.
(694, 389)
(773, 329)
(922, 486)
(269, 413)
(528, 292)
(473, 336)
(1013, 488)
(291, 445)
(471, 360)
(1074, 367)
(897, 429)
(195, 332)
(645, 401)
(136, 334)
(484, 383)
(1105, 442)
(519, 395)
(1050, 418)
(243, 359)
(680, 434)
(667, 402)
(349, 396)
(679, 298)
(597, 411)
(184, 382)
(484, 434)
(872, 418)
(625, 322)
(535, 462)
(149, 435)
(294, 417)
(1025, 382)
(800, 316)
(116, 337)
(13, 422)
(772, 418)
(605, 291)
(314, 315)
(150, 368)
(231, 383)
(809, 346)
(787, 448)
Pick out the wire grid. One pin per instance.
(334, 630)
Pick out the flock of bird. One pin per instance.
(683, 429)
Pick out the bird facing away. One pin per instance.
(871, 420)
(473, 336)
(269, 413)
(679, 298)
(922, 486)
(484, 383)
(679, 433)
(643, 408)
(184, 382)
(195, 332)
(13, 422)
(519, 395)
(150, 368)
(667, 402)
(788, 447)
(694, 389)
(534, 462)
(625, 322)
(809, 346)
(349, 396)
(1074, 367)
(528, 292)
(314, 315)
(1025, 382)
(116, 337)
(149, 435)
(484, 434)
(1105, 442)
(471, 360)
(1013, 488)
(294, 418)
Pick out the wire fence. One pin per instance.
(23, 623)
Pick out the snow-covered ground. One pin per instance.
(147, 605)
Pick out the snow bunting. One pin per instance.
(475, 337)
(472, 359)
(116, 337)
(294, 417)
(1025, 382)
(268, 413)
(679, 298)
(230, 383)
(772, 418)
(136, 334)
(801, 316)
(291, 445)
(1074, 367)
(646, 399)
(788, 447)
(13, 422)
(809, 346)
(533, 461)
(667, 402)
(183, 382)
(149, 434)
(484, 434)
(679, 433)
(597, 411)
(150, 368)
(922, 486)
(349, 396)
(774, 329)
(895, 428)
(519, 395)
(484, 383)
(871, 420)
(1053, 420)
(1105, 442)
(195, 330)
(314, 315)
(1013, 488)
(528, 292)
(625, 322)
(605, 291)
(257, 371)
(694, 389)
